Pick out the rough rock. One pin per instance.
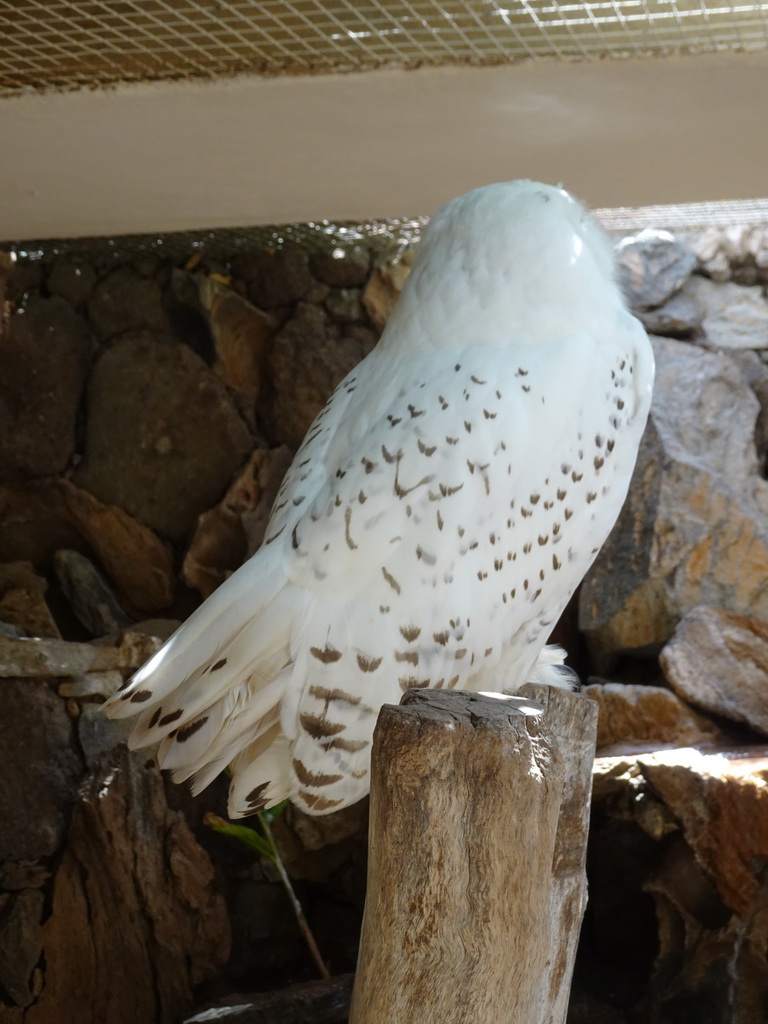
(20, 944)
(124, 301)
(127, 850)
(384, 286)
(234, 529)
(160, 628)
(677, 318)
(631, 715)
(727, 252)
(90, 596)
(46, 351)
(31, 658)
(73, 278)
(734, 316)
(162, 436)
(309, 356)
(676, 916)
(24, 874)
(274, 278)
(22, 600)
(653, 265)
(92, 684)
(694, 529)
(41, 517)
(241, 335)
(342, 267)
(38, 761)
(98, 734)
(719, 662)
(344, 305)
(756, 374)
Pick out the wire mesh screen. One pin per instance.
(74, 43)
(378, 236)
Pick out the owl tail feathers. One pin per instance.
(215, 688)
(551, 670)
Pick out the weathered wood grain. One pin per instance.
(476, 882)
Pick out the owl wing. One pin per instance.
(403, 550)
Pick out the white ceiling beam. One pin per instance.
(247, 151)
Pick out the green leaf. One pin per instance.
(248, 836)
(273, 813)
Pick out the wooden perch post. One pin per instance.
(476, 883)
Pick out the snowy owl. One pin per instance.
(441, 511)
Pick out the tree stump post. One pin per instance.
(476, 883)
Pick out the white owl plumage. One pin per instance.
(443, 508)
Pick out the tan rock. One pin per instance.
(384, 286)
(724, 252)
(719, 661)
(694, 528)
(241, 335)
(688, 830)
(43, 516)
(632, 715)
(22, 600)
(234, 529)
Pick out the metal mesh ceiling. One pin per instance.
(381, 236)
(75, 43)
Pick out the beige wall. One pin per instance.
(390, 143)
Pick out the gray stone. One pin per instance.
(756, 374)
(694, 529)
(90, 596)
(309, 356)
(719, 662)
(30, 658)
(98, 734)
(21, 943)
(73, 278)
(277, 278)
(92, 684)
(346, 267)
(162, 436)
(124, 301)
(45, 359)
(653, 265)
(734, 316)
(677, 318)
(39, 770)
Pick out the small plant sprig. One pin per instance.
(265, 846)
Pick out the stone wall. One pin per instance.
(148, 410)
